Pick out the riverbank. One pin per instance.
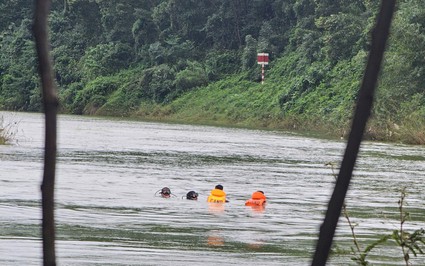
(411, 132)
(238, 102)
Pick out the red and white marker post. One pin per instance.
(262, 59)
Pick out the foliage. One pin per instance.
(19, 79)
(166, 49)
(93, 95)
(105, 59)
(219, 64)
(8, 131)
(410, 243)
(194, 75)
(249, 53)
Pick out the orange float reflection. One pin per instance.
(257, 208)
(215, 208)
(215, 240)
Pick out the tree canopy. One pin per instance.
(118, 57)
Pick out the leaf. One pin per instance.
(379, 241)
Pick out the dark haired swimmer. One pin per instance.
(217, 195)
(165, 192)
(192, 195)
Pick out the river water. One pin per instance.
(109, 170)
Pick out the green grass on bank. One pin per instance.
(318, 97)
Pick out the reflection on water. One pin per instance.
(108, 213)
(215, 239)
(216, 208)
(257, 208)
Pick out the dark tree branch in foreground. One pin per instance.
(361, 116)
(50, 101)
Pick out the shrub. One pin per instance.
(94, 94)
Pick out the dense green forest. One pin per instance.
(195, 61)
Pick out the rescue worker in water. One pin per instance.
(217, 195)
(257, 199)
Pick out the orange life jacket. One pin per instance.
(257, 199)
(217, 196)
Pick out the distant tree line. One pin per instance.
(110, 56)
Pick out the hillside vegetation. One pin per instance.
(195, 61)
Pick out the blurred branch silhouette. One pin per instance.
(50, 103)
(361, 116)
